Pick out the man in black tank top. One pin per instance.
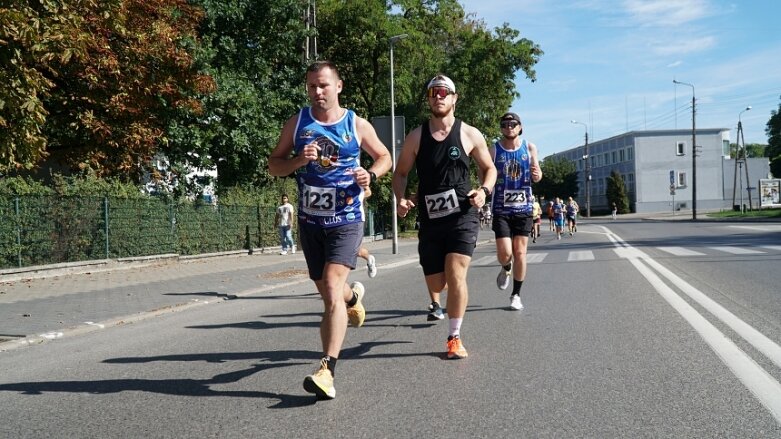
(441, 150)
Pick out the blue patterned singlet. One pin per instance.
(328, 194)
(513, 190)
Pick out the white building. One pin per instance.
(650, 162)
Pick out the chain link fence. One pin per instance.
(37, 230)
(42, 230)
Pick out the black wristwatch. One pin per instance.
(372, 177)
(487, 192)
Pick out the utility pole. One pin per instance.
(694, 151)
(310, 20)
(740, 159)
(395, 220)
(586, 170)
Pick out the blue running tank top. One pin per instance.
(513, 190)
(328, 193)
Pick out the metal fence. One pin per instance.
(45, 230)
(37, 230)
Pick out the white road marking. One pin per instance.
(680, 251)
(764, 387)
(535, 258)
(776, 248)
(761, 227)
(736, 250)
(485, 261)
(583, 255)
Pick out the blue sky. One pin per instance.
(611, 63)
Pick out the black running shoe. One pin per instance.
(435, 312)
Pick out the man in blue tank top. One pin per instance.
(517, 166)
(322, 145)
(441, 150)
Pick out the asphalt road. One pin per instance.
(623, 335)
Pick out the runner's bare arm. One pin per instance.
(534, 163)
(485, 164)
(375, 148)
(404, 164)
(280, 162)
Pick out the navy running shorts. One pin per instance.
(337, 245)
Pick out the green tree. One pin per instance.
(440, 39)
(559, 179)
(111, 103)
(34, 38)
(616, 192)
(752, 150)
(253, 51)
(773, 150)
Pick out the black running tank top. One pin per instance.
(443, 175)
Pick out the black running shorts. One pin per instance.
(435, 241)
(337, 245)
(505, 226)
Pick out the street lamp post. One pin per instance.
(393, 40)
(740, 157)
(587, 170)
(694, 151)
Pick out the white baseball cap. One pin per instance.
(442, 81)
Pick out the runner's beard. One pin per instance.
(436, 112)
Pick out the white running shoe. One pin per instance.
(371, 266)
(283, 252)
(503, 278)
(515, 302)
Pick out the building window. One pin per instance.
(614, 157)
(680, 148)
(630, 153)
(621, 155)
(725, 148)
(682, 179)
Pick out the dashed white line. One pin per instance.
(680, 251)
(736, 250)
(581, 255)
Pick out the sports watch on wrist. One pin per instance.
(372, 177)
(486, 191)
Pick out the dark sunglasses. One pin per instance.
(509, 124)
(441, 92)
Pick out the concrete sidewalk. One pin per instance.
(84, 297)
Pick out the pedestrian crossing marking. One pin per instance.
(486, 261)
(588, 255)
(582, 255)
(736, 250)
(680, 251)
(760, 227)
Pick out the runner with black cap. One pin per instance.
(516, 163)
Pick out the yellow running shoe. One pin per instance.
(356, 314)
(455, 349)
(321, 383)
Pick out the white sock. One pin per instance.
(455, 327)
